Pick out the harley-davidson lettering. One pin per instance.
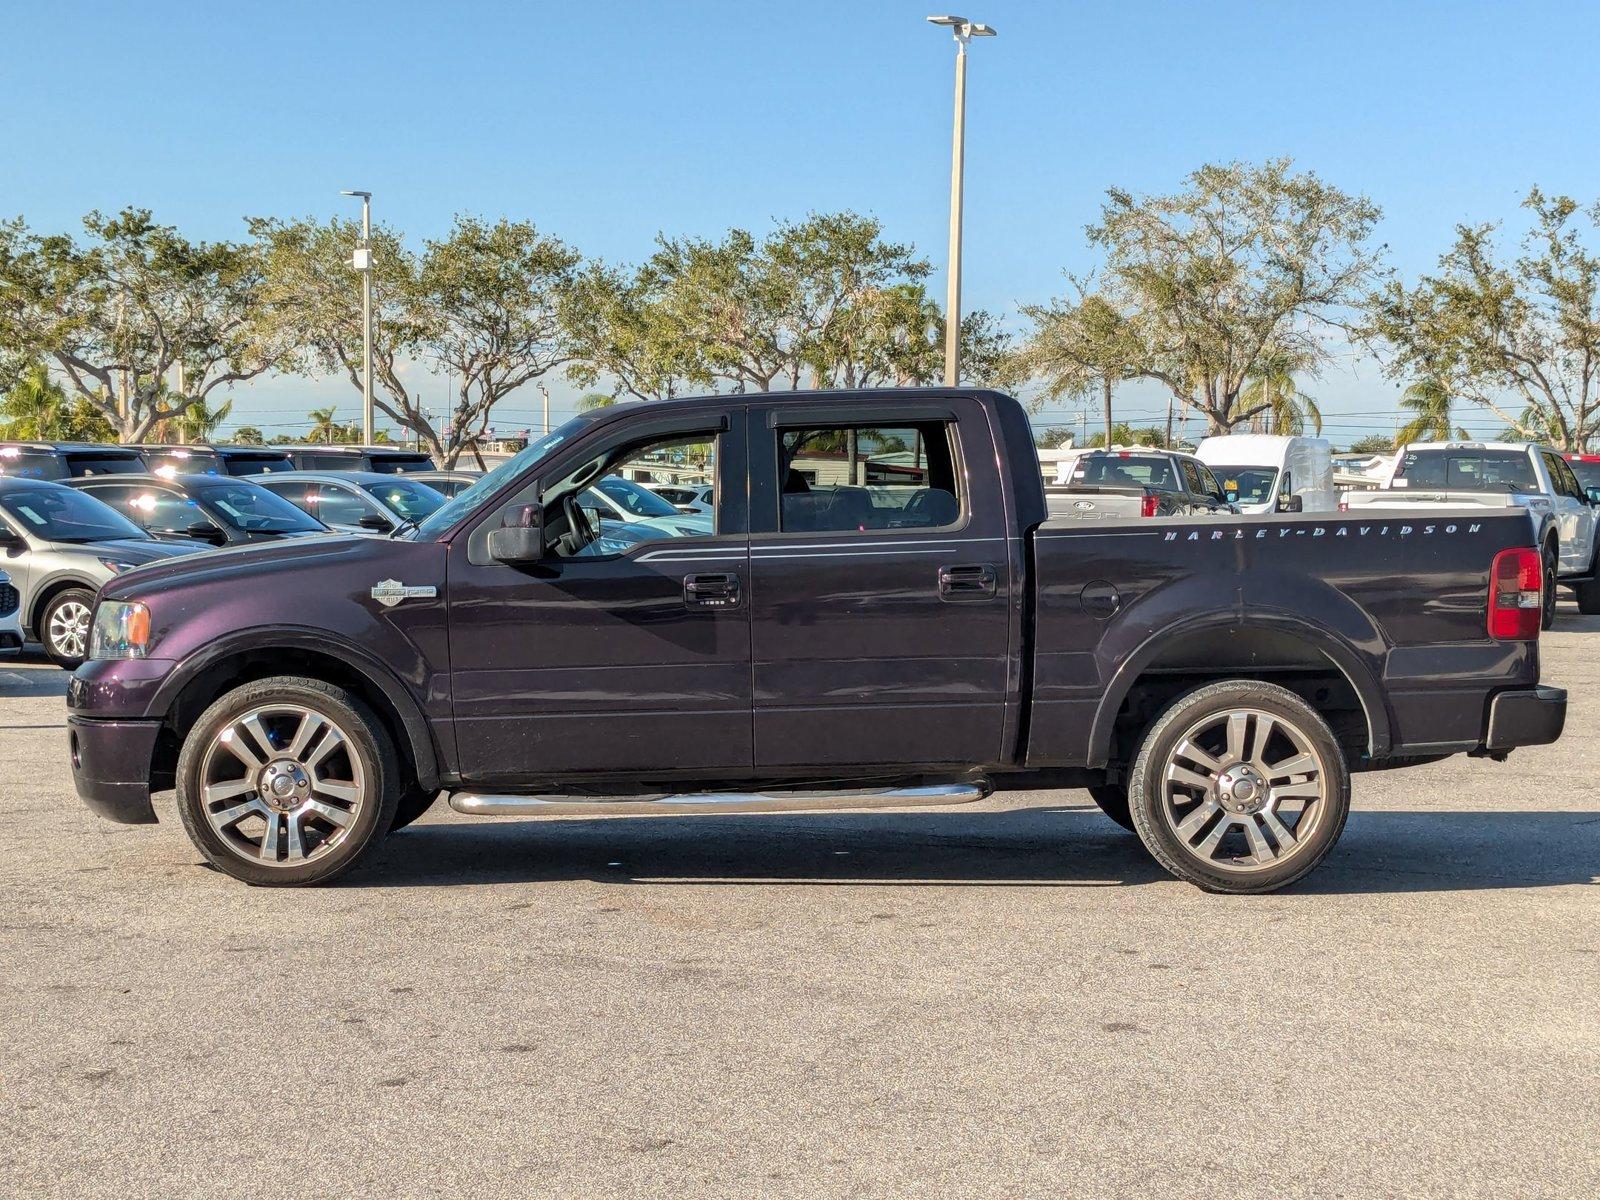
(1316, 531)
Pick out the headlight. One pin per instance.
(115, 567)
(121, 630)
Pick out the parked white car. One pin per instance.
(10, 615)
(1263, 473)
(1501, 475)
(614, 498)
(687, 497)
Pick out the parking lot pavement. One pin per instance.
(1003, 1000)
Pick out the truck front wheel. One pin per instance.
(1239, 786)
(287, 781)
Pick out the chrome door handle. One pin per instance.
(977, 582)
(718, 590)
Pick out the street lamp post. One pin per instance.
(362, 261)
(964, 31)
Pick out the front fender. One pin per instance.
(418, 730)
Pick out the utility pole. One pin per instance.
(545, 392)
(964, 31)
(362, 261)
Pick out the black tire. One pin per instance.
(1589, 598)
(365, 744)
(66, 650)
(1547, 617)
(1113, 801)
(1157, 824)
(414, 801)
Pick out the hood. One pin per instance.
(137, 551)
(250, 559)
(684, 524)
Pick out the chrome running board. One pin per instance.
(486, 804)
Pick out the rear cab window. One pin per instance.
(1466, 470)
(1124, 469)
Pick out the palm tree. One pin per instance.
(199, 423)
(1430, 399)
(323, 426)
(1287, 408)
(35, 408)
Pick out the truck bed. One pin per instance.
(1395, 605)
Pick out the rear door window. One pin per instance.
(857, 478)
(1124, 470)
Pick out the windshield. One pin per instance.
(1246, 485)
(1125, 471)
(1588, 473)
(62, 515)
(464, 504)
(256, 510)
(412, 500)
(257, 464)
(638, 501)
(1466, 470)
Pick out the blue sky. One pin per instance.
(607, 121)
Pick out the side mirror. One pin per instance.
(1593, 494)
(10, 540)
(203, 531)
(1290, 503)
(520, 542)
(376, 522)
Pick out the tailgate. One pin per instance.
(1090, 503)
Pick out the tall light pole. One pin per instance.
(362, 261)
(964, 31)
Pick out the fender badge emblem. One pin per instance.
(390, 592)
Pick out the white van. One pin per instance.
(1263, 473)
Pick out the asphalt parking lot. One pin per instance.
(1002, 1000)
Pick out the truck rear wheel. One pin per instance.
(1113, 801)
(1239, 787)
(287, 781)
(1548, 617)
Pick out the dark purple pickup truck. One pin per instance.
(882, 613)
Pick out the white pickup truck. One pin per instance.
(1566, 516)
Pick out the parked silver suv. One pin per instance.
(58, 546)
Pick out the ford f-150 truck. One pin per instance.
(882, 614)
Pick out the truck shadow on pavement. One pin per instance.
(1381, 852)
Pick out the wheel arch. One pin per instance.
(1270, 645)
(43, 593)
(262, 653)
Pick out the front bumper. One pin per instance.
(111, 767)
(1525, 718)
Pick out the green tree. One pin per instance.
(495, 294)
(1373, 443)
(1245, 264)
(323, 426)
(36, 408)
(1521, 337)
(623, 333)
(1078, 347)
(1431, 401)
(247, 435)
(141, 322)
(1273, 396)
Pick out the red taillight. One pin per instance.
(1516, 595)
(1148, 507)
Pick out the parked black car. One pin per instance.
(881, 613)
(356, 499)
(385, 460)
(204, 459)
(206, 508)
(68, 460)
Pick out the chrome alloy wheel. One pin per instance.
(281, 785)
(1244, 790)
(69, 629)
